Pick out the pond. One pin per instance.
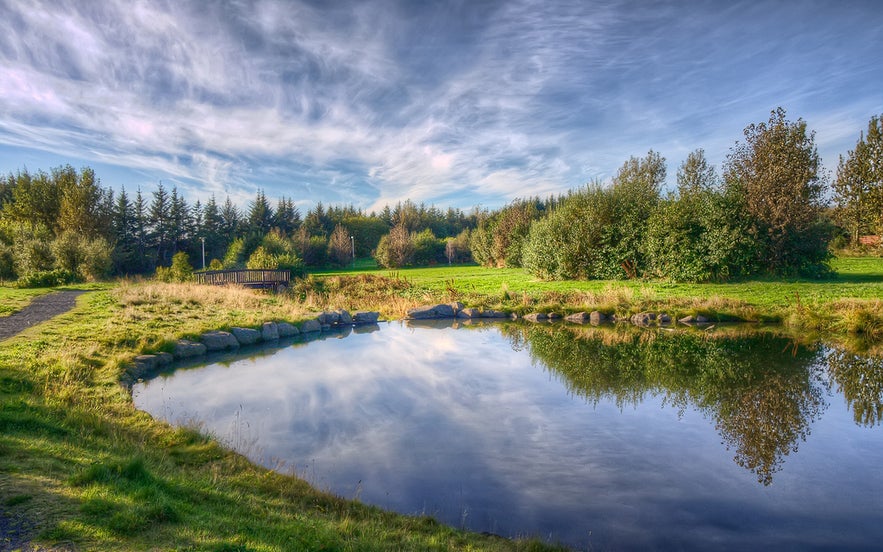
(595, 438)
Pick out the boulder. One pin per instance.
(536, 317)
(286, 330)
(701, 319)
(457, 306)
(219, 341)
(344, 318)
(311, 326)
(164, 359)
(246, 336)
(365, 317)
(596, 317)
(490, 313)
(328, 318)
(469, 313)
(431, 312)
(554, 316)
(270, 331)
(188, 349)
(689, 319)
(664, 319)
(577, 317)
(145, 363)
(642, 319)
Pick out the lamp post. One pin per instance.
(203, 252)
(353, 242)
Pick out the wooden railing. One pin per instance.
(259, 278)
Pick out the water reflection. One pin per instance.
(602, 438)
(762, 401)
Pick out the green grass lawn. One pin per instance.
(857, 277)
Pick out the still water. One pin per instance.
(600, 439)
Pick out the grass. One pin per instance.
(88, 470)
(829, 305)
(83, 466)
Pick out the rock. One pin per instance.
(469, 313)
(326, 327)
(188, 349)
(327, 318)
(344, 318)
(431, 312)
(554, 316)
(286, 330)
(536, 317)
(642, 319)
(365, 317)
(577, 317)
(311, 326)
(701, 319)
(365, 328)
(145, 363)
(269, 331)
(490, 313)
(219, 341)
(664, 319)
(457, 306)
(246, 336)
(596, 317)
(689, 319)
(164, 359)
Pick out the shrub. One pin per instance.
(47, 278)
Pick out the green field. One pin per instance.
(81, 467)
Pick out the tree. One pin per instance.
(632, 198)
(80, 202)
(395, 249)
(340, 246)
(260, 215)
(776, 175)
(858, 188)
(160, 224)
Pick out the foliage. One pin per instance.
(395, 249)
(700, 235)
(499, 238)
(428, 249)
(340, 247)
(776, 174)
(47, 278)
(180, 271)
(858, 188)
(91, 259)
(235, 255)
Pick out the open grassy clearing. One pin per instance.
(14, 299)
(80, 466)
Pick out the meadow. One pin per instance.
(81, 468)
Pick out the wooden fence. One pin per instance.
(265, 279)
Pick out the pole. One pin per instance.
(203, 253)
(353, 241)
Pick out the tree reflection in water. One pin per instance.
(860, 379)
(762, 391)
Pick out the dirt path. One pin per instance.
(41, 309)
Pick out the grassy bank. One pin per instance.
(850, 302)
(81, 469)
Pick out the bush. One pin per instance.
(180, 271)
(47, 278)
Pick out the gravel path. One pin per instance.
(14, 530)
(39, 310)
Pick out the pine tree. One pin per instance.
(160, 225)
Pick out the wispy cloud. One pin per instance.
(379, 101)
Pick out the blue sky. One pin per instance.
(458, 103)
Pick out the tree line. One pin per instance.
(766, 213)
(63, 225)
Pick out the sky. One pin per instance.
(452, 103)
